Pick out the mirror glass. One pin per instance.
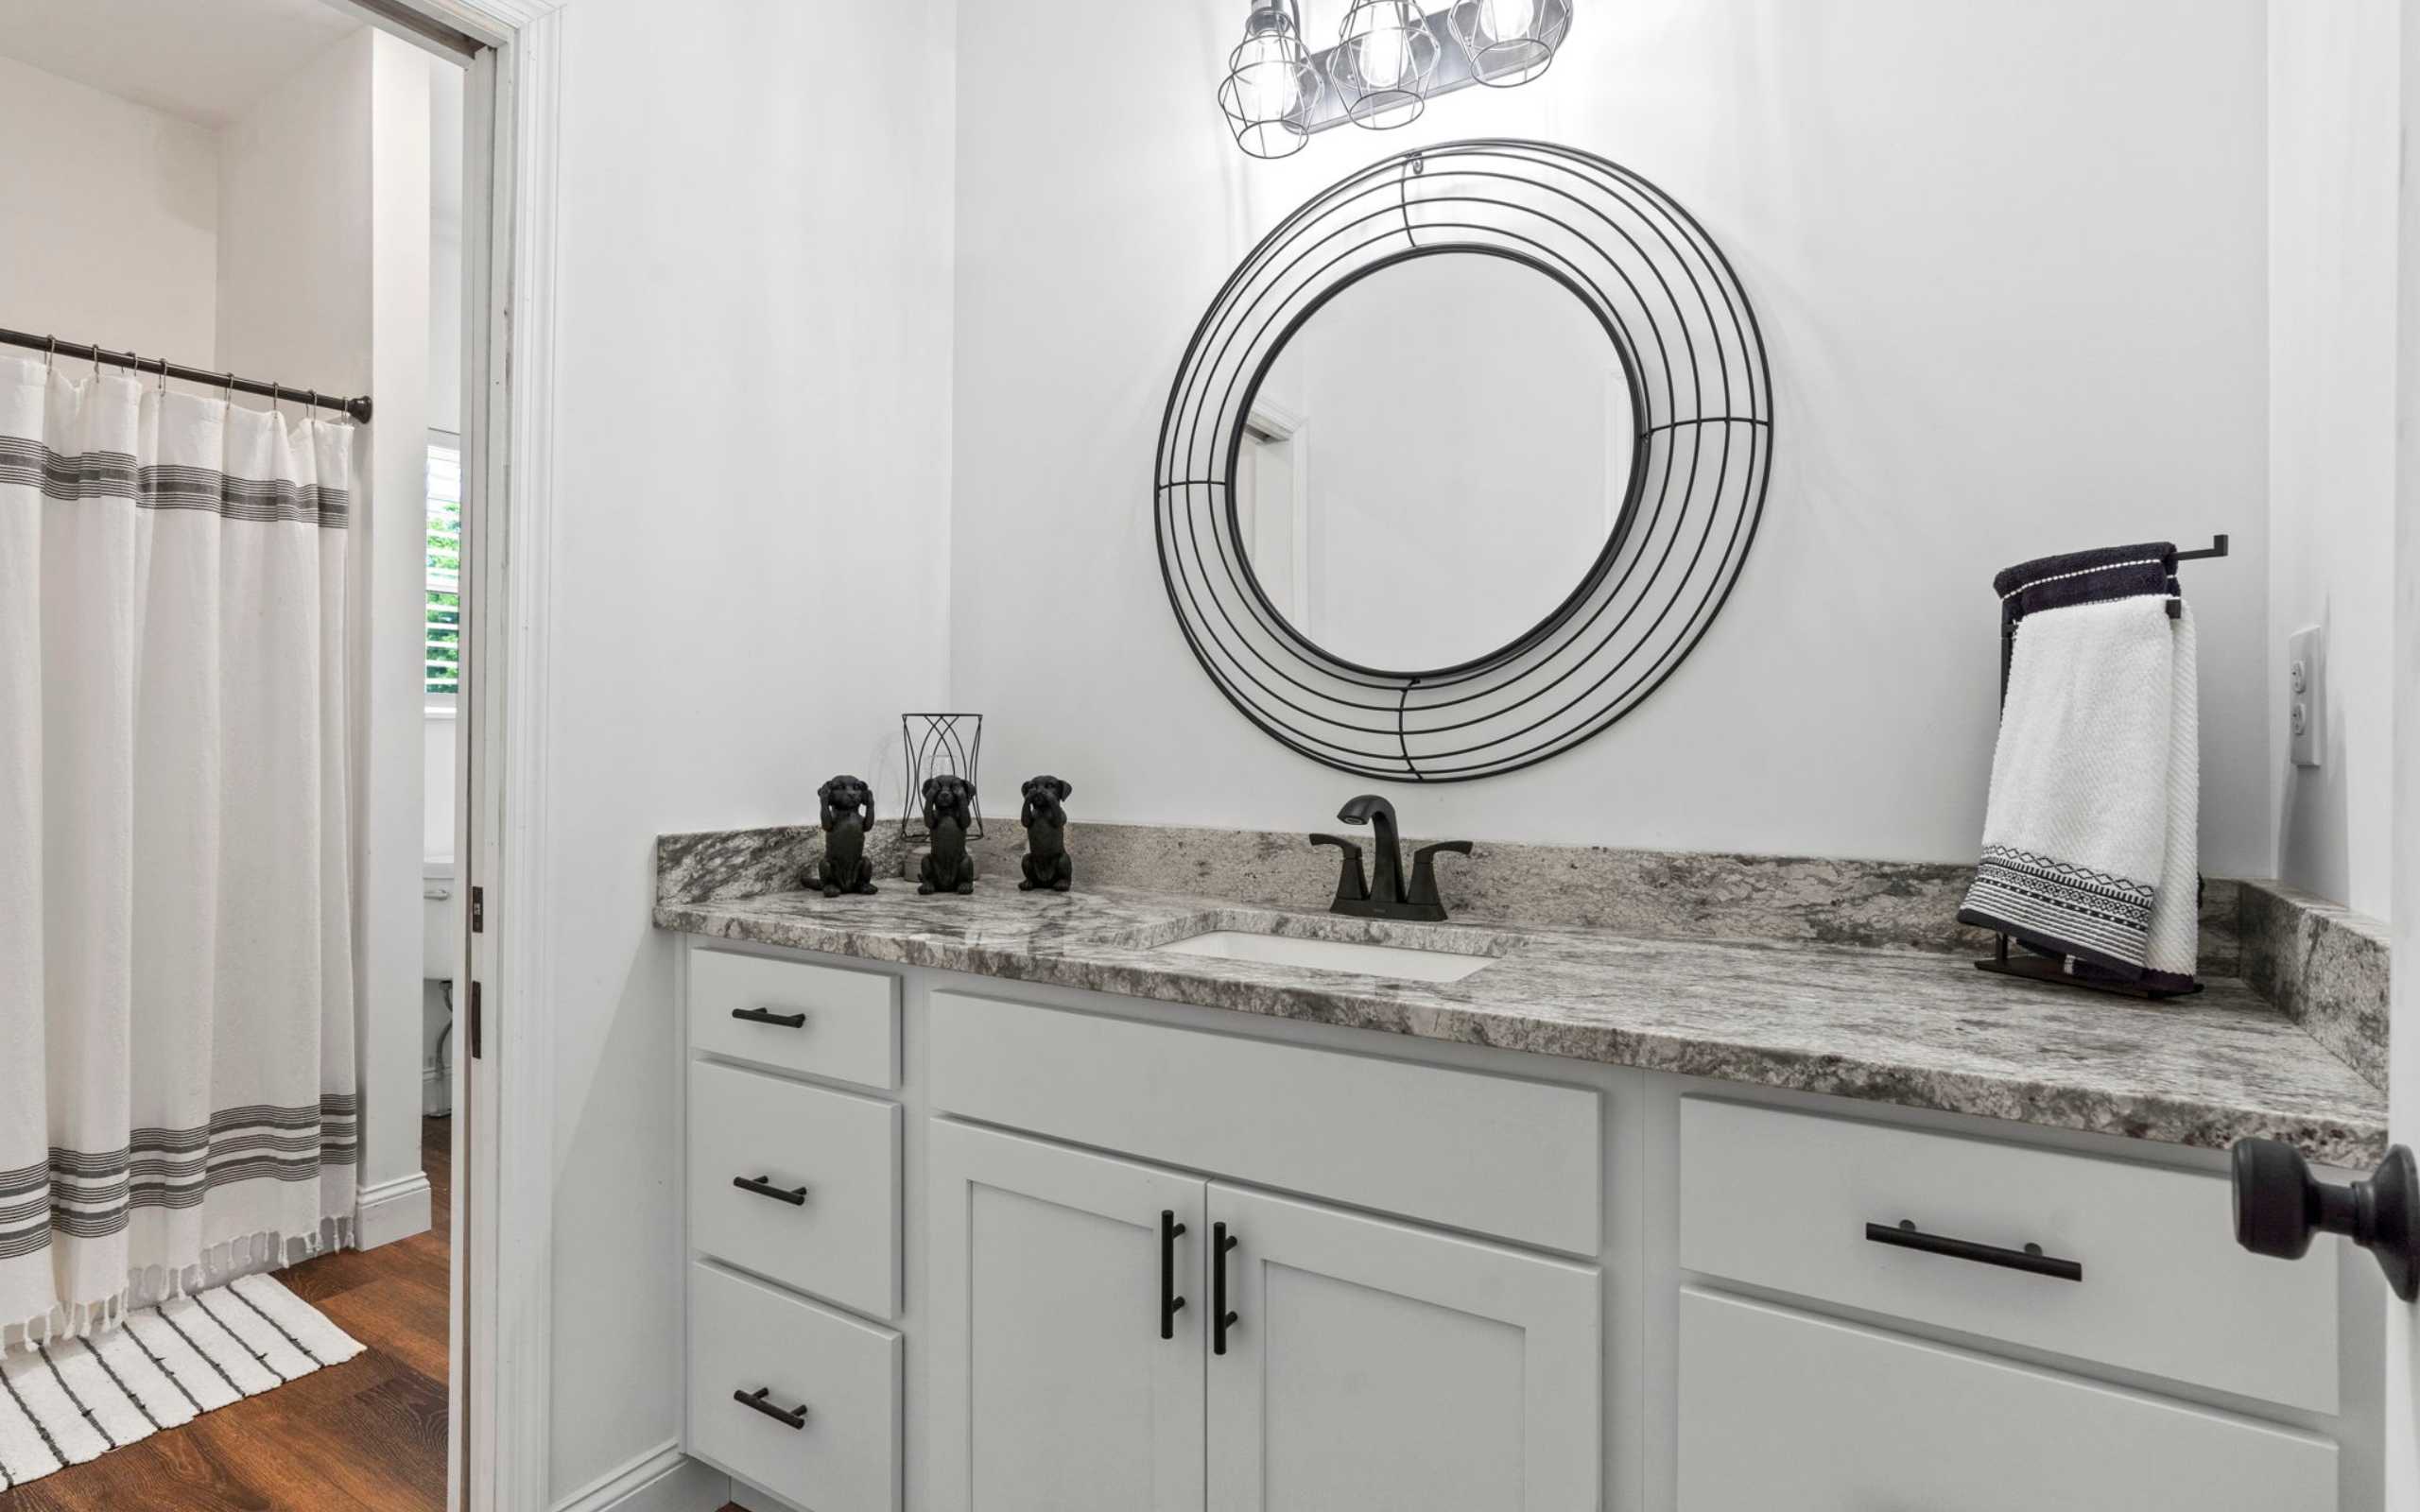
(1434, 461)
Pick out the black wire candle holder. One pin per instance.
(938, 745)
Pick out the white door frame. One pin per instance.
(501, 1317)
(2403, 1082)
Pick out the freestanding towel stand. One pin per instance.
(2007, 961)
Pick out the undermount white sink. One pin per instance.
(1401, 962)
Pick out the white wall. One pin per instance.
(112, 225)
(2010, 263)
(324, 282)
(294, 259)
(749, 562)
(2332, 245)
(445, 249)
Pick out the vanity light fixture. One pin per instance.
(1272, 86)
(1384, 59)
(1389, 59)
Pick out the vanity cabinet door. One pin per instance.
(1374, 1366)
(1053, 1389)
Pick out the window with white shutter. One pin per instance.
(442, 621)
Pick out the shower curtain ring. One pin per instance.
(229, 396)
(164, 375)
(50, 355)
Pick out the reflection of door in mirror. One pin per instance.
(1475, 429)
(1272, 468)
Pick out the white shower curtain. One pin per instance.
(176, 1095)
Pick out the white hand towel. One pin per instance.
(2090, 837)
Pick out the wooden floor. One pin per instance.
(368, 1436)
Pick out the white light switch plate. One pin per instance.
(2307, 695)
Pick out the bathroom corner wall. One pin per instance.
(2332, 300)
(2011, 261)
(750, 559)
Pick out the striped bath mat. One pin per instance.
(75, 1399)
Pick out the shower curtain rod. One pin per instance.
(358, 408)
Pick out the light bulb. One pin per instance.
(1265, 81)
(1509, 18)
(1385, 52)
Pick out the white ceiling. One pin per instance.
(202, 59)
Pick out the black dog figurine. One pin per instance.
(949, 808)
(848, 814)
(1047, 862)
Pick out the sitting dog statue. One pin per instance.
(949, 808)
(1047, 862)
(848, 814)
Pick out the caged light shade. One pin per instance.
(1509, 41)
(1272, 84)
(1384, 56)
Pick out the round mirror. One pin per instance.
(1394, 442)
(1433, 459)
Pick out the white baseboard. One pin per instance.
(436, 1092)
(663, 1480)
(391, 1211)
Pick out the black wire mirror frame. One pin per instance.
(1701, 462)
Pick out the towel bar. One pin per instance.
(2006, 962)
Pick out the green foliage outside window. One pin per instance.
(443, 638)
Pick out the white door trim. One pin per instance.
(519, 1254)
(2402, 1471)
(500, 1413)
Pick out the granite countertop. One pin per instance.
(1916, 1028)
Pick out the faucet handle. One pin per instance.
(1424, 870)
(1352, 886)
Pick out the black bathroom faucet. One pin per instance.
(1384, 897)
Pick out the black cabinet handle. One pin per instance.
(2030, 1258)
(794, 1418)
(1220, 1319)
(1171, 1304)
(764, 1188)
(779, 1021)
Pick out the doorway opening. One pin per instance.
(255, 246)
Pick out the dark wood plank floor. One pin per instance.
(368, 1436)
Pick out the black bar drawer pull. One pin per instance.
(765, 1188)
(779, 1021)
(1220, 1319)
(2030, 1258)
(1171, 1304)
(794, 1418)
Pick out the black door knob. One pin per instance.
(2279, 1205)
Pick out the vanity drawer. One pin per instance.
(1491, 1154)
(844, 1455)
(1783, 1200)
(842, 1242)
(1782, 1410)
(849, 1031)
